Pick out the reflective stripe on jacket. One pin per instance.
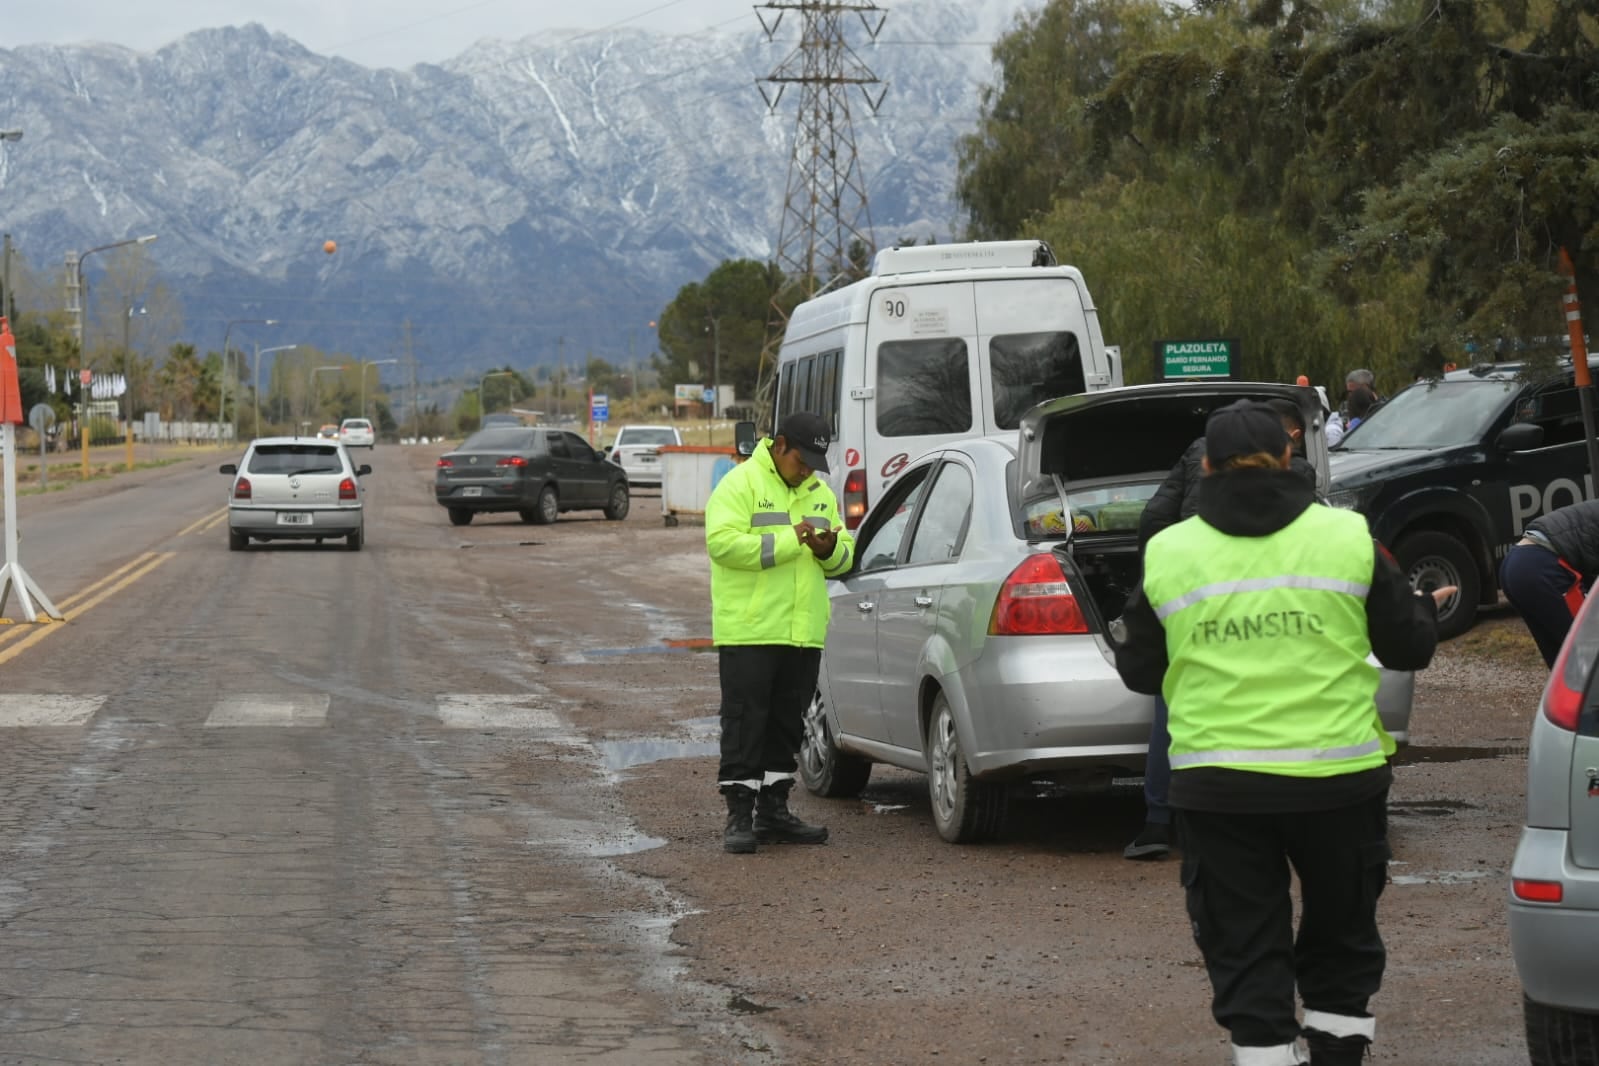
(1268, 667)
(767, 587)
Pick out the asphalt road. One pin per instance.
(451, 799)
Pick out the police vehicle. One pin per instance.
(1450, 471)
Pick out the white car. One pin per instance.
(295, 488)
(635, 451)
(357, 433)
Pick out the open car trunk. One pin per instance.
(1089, 463)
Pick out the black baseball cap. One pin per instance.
(809, 435)
(1243, 428)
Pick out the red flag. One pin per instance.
(10, 386)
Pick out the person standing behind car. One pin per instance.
(1546, 573)
(1254, 620)
(1176, 499)
(773, 534)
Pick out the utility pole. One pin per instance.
(8, 302)
(410, 362)
(560, 374)
(825, 214)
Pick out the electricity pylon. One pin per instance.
(825, 235)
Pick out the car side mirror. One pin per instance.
(363, 470)
(228, 468)
(606, 451)
(744, 438)
(1521, 437)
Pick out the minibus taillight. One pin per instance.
(854, 498)
(1036, 601)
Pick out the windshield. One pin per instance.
(646, 436)
(1102, 509)
(1433, 414)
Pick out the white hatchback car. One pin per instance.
(635, 451)
(295, 488)
(357, 433)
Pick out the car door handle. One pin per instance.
(866, 607)
(923, 601)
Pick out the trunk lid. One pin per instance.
(1110, 450)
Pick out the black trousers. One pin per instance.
(1236, 872)
(765, 691)
(1546, 593)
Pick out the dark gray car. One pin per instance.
(537, 473)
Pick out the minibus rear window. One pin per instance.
(1029, 368)
(923, 387)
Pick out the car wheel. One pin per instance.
(354, 541)
(460, 516)
(616, 510)
(965, 811)
(1557, 1037)
(237, 542)
(548, 508)
(825, 770)
(1432, 560)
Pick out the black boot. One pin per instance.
(776, 824)
(1154, 842)
(739, 836)
(1328, 1050)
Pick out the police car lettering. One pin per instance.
(1272, 625)
(1528, 502)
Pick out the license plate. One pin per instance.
(294, 518)
(472, 490)
(646, 458)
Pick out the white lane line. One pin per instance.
(26, 710)
(469, 711)
(260, 709)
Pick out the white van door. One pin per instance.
(1036, 344)
(921, 375)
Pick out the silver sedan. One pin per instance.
(971, 641)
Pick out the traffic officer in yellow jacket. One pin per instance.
(1254, 619)
(773, 532)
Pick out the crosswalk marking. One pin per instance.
(258, 709)
(24, 710)
(470, 711)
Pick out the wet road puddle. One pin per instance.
(700, 737)
(1419, 753)
(665, 647)
(1432, 808)
(629, 844)
(1440, 877)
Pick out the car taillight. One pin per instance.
(1036, 600)
(445, 464)
(241, 489)
(347, 489)
(1537, 891)
(511, 460)
(854, 498)
(1563, 695)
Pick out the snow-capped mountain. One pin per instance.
(526, 199)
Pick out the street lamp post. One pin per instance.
(376, 362)
(482, 404)
(716, 363)
(222, 387)
(259, 352)
(310, 384)
(77, 324)
(127, 380)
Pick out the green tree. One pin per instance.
(717, 325)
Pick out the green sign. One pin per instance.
(1186, 360)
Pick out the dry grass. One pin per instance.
(1501, 637)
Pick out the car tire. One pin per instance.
(1558, 1037)
(824, 769)
(354, 541)
(964, 810)
(460, 516)
(548, 508)
(1432, 560)
(616, 509)
(237, 542)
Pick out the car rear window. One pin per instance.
(357, 423)
(295, 459)
(503, 439)
(646, 436)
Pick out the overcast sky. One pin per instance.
(374, 33)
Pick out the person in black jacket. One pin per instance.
(1547, 572)
(1176, 499)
